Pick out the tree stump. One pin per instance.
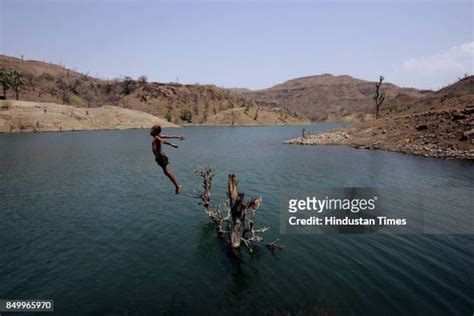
(234, 222)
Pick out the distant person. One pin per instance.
(160, 158)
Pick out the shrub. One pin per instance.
(77, 101)
(186, 115)
(168, 115)
(127, 85)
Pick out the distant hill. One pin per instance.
(330, 98)
(240, 90)
(178, 103)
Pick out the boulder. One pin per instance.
(468, 134)
(469, 109)
(421, 127)
(458, 116)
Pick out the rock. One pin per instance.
(469, 109)
(458, 116)
(468, 135)
(421, 127)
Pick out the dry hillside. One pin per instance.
(440, 124)
(331, 98)
(454, 96)
(180, 104)
(243, 116)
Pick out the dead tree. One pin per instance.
(256, 112)
(379, 96)
(235, 222)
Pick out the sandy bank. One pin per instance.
(23, 116)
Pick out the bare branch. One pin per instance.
(235, 227)
(275, 245)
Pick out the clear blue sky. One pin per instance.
(252, 44)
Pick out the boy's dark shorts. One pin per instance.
(162, 161)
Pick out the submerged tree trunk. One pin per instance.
(234, 222)
(238, 211)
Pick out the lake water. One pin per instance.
(88, 219)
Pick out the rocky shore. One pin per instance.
(442, 134)
(328, 138)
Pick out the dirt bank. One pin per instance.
(23, 116)
(443, 134)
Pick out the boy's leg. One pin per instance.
(168, 173)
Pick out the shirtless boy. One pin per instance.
(160, 158)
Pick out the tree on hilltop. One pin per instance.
(127, 85)
(379, 96)
(142, 81)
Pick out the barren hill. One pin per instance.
(330, 98)
(180, 104)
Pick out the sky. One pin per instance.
(246, 44)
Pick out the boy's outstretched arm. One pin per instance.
(160, 139)
(173, 136)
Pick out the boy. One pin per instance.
(160, 158)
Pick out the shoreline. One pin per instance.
(446, 133)
(250, 125)
(33, 117)
(341, 138)
(25, 116)
(77, 130)
(460, 156)
(26, 131)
